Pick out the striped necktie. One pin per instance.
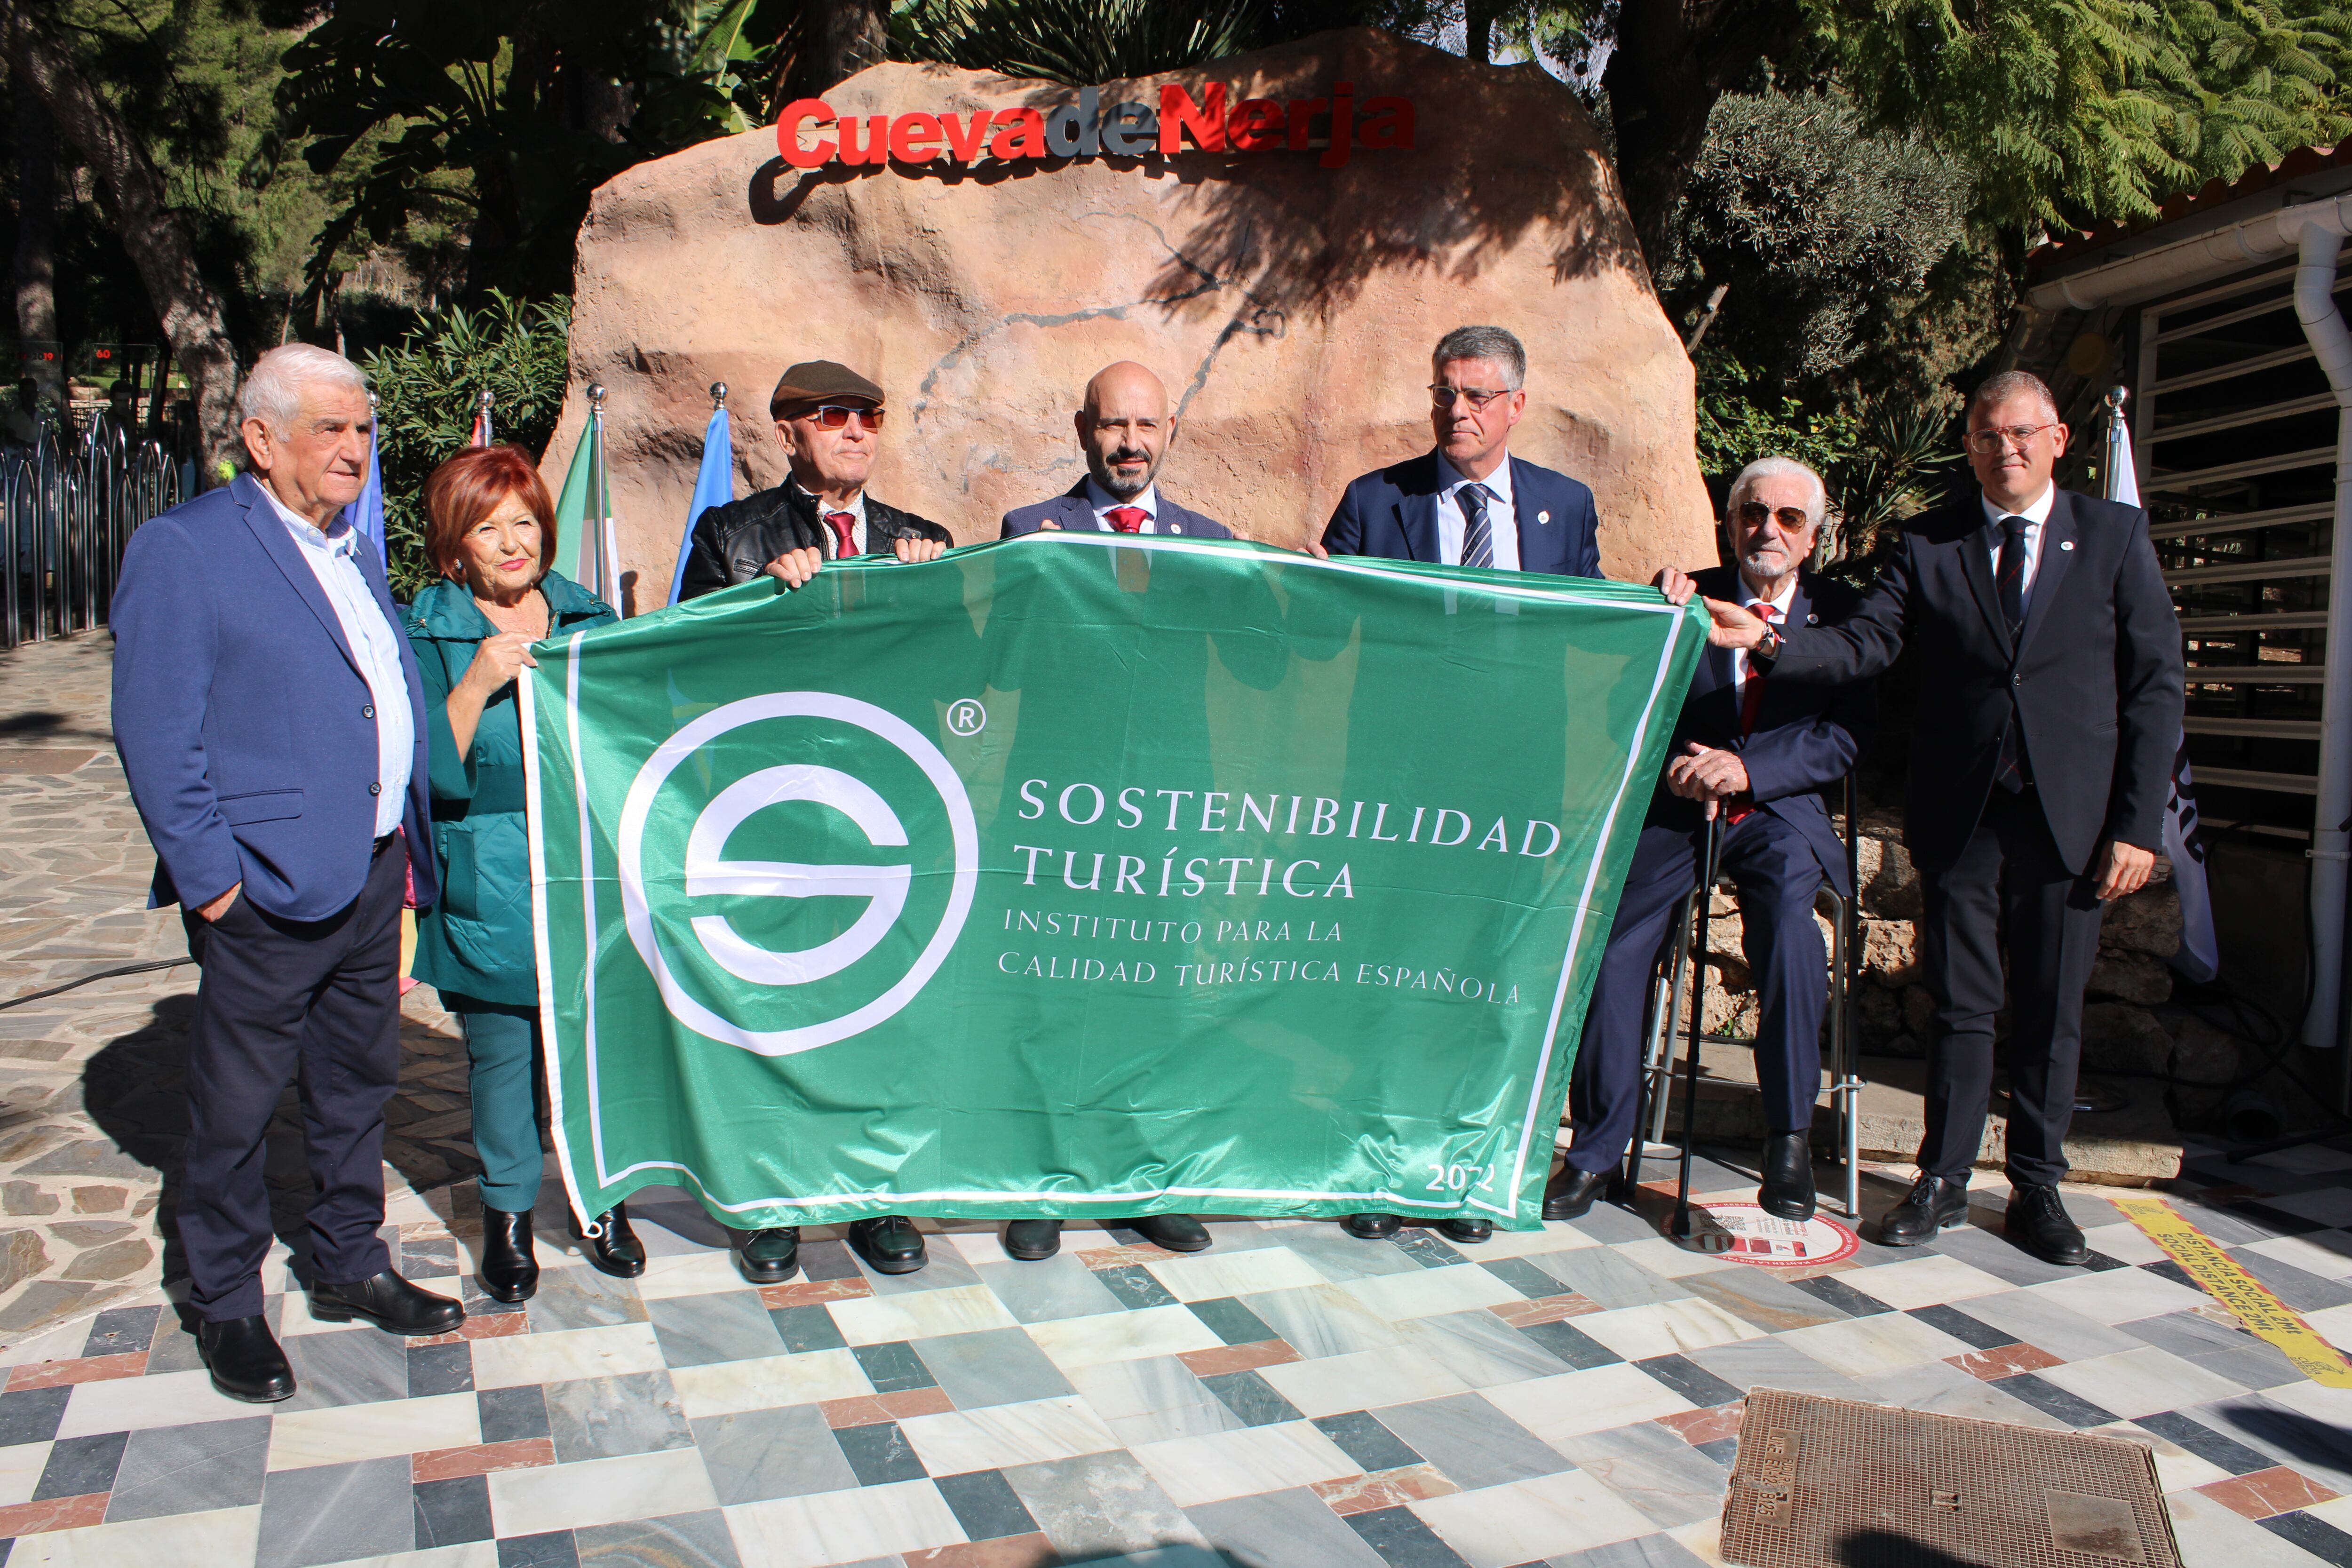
(1478, 537)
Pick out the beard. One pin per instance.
(1766, 562)
(1108, 477)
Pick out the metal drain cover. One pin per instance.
(1830, 1483)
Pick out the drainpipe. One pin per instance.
(2318, 232)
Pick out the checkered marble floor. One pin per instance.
(1291, 1397)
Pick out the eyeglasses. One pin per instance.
(1443, 395)
(834, 415)
(1791, 519)
(1988, 442)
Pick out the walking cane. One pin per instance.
(1680, 1230)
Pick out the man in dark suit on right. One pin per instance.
(2050, 703)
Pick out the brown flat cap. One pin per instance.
(814, 380)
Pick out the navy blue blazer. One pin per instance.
(1807, 736)
(1394, 513)
(245, 725)
(1072, 511)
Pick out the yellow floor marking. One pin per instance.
(2227, 1282)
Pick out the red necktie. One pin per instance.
(1127, 518)
(841, 522)
(1751, 700)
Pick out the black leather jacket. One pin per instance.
(732, 542)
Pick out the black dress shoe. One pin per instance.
(1933, 1204)
(767, 1257)
(1788, 1188)
(1570, 1195)
(245, 1360)
(1467, 1229)
(508, 1271)
(1372, 1226)
(1176, 1232)
(388, 1302)
(1032, 1241)
(615, 1249)
(2037, 1220)
(890, 1245)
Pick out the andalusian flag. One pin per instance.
(582, 552)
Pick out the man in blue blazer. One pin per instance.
(1124, 431)
(267, 710)
(1761, 753)
(1468, 502)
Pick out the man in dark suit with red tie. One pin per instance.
(1760, 753)
(2051, 676)
(1125, 430)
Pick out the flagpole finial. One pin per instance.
(485, 400)
(718, 395)
(596, 394)
(370, 403)
(2116, 397)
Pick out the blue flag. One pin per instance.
(366, 514)
(714, 486)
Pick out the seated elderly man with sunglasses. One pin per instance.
(829, 422)
(1761, 753)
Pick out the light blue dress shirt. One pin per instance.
(1502, 516)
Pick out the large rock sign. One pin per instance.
(1290, 305)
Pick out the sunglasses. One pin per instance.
(1792, 520)
(834, 415)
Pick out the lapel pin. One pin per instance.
(1175, 528)
(1812, 620)
(1543, 517)
(2065, 544)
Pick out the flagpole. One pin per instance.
(599, 501)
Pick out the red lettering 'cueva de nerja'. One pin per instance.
(1210, 123)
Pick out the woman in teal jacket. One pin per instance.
(490, 530)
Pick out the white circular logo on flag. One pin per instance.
(834, 752)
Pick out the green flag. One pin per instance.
(572, 511)
(1078, 878)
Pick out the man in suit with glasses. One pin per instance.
(2051, 676)
(1468, 502)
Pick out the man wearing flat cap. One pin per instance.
(829, 422)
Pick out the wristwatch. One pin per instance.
(1767, 647)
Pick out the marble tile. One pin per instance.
(1362, 1438)
(561, 1358)
(1004, 1435)
(1073, 1342)
(2120, 1296)
(2333, 1324)
(985, 1504)
(1098, 1505)
(191, 1470)
(604, 1417)
(1862, 1346)
(1555, 1236)
(2298, 1288)
(1059, 1287)
(879, 1453)
(843, 1527)
(2324, 1254)
(1774, 1363)
(21, 1465)
(1558, 1408)
(1660, 1550)
(228, 1535)
(329, 1513)
(2177, 1469)
(294, 1320)
(346, 1369)
(728, 1387)
(2139, 1382)
(1606, 1275)
(1530, 1520)
(696, 1273)
(2049, 1325)
(347, 1434)
(1664, 1258)
(730, 1325)
(2210, 1533)
(1663, 1328)
(1206, 1274)
(2330, 1205)
(945, 1267)
(698, 1540)
(128, 1404)
(581, 1297)
(1480, 1348)
(1927, 1280)
(1238, 1464)
(995, 1366)
(1471, 1441)
(1153, 1400)
(1997, 1254)
(1330, 1320)
(922, 1315)
(1335, 1384)
(755, 1455)
(1291, 1526)
(2124, 1242)
(1464, 1288)
(1667, 1481)
(599, 1491)
(1759, 1296)
(1338, 1256)
(1944, 1390)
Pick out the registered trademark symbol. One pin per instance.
(967, 717)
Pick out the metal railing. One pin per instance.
(66, 512)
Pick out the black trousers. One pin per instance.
(1778, 874)
(316, 1001)
(2009, 882)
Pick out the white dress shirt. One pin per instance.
(1749, 601)
(375, 645)
(2035, 515)
(856, 510)
(1102, 501)
(1502, 516)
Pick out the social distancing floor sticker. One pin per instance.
(2226, 1280)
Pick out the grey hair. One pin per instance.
(1492, 343)
(2011, 384)
(1777, 467)
(273, 393)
